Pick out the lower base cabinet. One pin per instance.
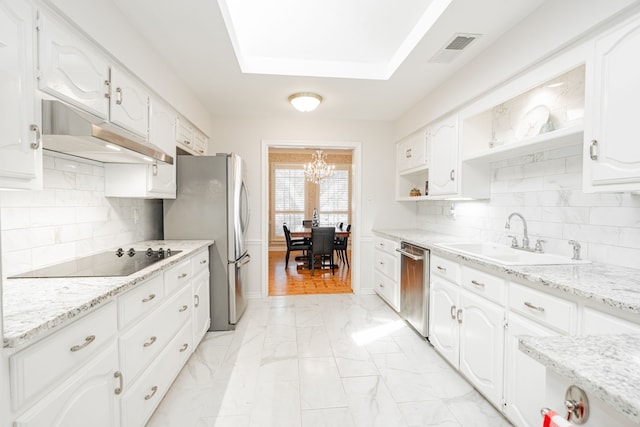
(525, 385)
(85, 399)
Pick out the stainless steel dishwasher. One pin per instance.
(414, 287)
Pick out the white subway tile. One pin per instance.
(58, 179)
(73, 232)
(15, 262)
(13, 218)
(571, 215)
(563, 181)
(591, 233)
(545, 168)
(92, 214)
(44, 256)
(626, 257)
(527, 184)
(630, 237)
(27, 238)
(618, 216)
(68, 165)
(52, 216)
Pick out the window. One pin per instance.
(293, 198)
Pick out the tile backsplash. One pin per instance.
(546, 187)
(70, 217)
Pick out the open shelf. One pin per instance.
(571, 135)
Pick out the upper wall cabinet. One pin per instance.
(71, 69)
(20, 146)
(190, 139)
(411, 152)
(443, 145)
(611, 149)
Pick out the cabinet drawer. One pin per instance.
(386, 288)
(142, 343)
(386, 245)
(491, 287)
(177, 276)
(141, 399)
(446, 268)
(547, 309)
(200, 262)
(50, 360)
(140, 300)
(386, 264)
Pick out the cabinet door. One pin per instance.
(71, 69)
(201, 142)
(525, 377)
(129, 106)
(612, 152)
(443, 171)
(162, 177)
(482, 345)
(20, 148)
(443, 323)
(86, 399)
(201, 306)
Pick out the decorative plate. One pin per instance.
(532, 122)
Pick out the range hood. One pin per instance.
(68, 130)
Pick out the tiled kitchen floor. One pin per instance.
(320, 360)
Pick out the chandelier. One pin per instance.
(318, 169)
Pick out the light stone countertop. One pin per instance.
(33, 308)
(617, 287)
(604, 366)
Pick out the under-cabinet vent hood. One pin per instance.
(68, 130)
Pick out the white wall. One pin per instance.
(245, 136)
(70, 217)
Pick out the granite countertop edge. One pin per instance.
(21, 323)
(614, 286)
(580, 360)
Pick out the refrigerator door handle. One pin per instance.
(243, 260)
(245, 193)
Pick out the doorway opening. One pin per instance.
(289, 199)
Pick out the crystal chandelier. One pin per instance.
(318, 169)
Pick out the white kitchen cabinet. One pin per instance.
(595, 322)
(201, 319)
(129, 103)
(525, 377)
(201, 143)
(611, 152)
(71, 69)
(411, 152)
(444, 330)
(443, 155)
(185, 135)
(482, 344)
(386, 273)
(20, 142)
(155, 180)
(87, 398)
(466, 328)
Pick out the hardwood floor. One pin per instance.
(294, 281)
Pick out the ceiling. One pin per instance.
(376, 44)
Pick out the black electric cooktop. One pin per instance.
(105, 264)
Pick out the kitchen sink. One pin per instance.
(505, 255)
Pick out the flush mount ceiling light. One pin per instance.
(318, 169)
(305, 101)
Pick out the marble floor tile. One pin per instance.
(321, 360)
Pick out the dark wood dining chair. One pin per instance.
(294, 245)
(340, 246)
(322, 247)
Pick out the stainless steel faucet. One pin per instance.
(576, 249)
(525, 239)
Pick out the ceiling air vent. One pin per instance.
(454, 48)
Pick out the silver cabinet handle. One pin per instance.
(183, 308)
(184, 347)
(182, 276)
(150, 342)
(204, 261)
(534, 307)
(155, 169)
(118, 376)
(187, 142)
(197, 300)
(452, 175)
(201, 151)
(88, 340)
(444, 270)
(407, 153)
(37, 141)
(593, 149)
(149, 298)
(452, 311)
(381, 285)
(107, 93)
(478, 284)
(154, 389)
(459, 315)
(119, 96)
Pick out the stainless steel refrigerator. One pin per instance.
(212, 203)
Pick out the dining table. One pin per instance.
(301, 232)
